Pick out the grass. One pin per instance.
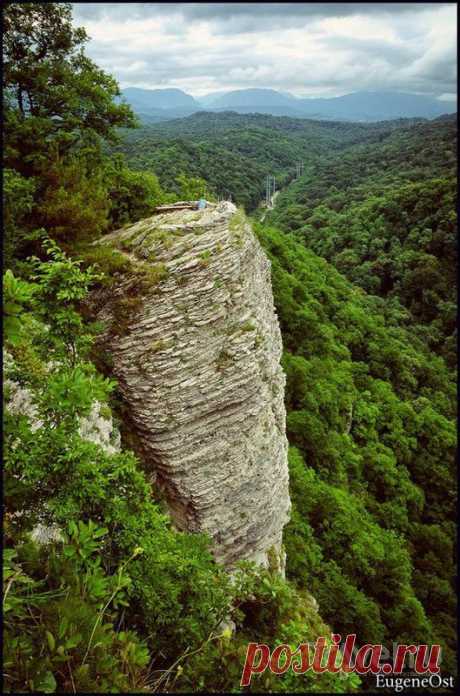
(237, 221)
(108, 260)
(205, 258)
(247, 326)
(150, 275)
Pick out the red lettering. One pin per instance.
(319, 652)
(348, 653)
(375, 652)
(401, 652)
(275, 659)
(433, 661)
(249, 667)
(333, 652)
(304, 663)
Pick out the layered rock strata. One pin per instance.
(195, 345)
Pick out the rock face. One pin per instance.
(195, 345)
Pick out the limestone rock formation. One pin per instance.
(195, 345)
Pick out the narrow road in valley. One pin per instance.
(272, 205)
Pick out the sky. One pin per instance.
(307, 49)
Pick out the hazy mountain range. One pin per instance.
(163, 104)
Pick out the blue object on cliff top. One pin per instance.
(201, 203)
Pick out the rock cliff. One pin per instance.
(195, 345)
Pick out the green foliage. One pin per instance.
(133, 195)
(75, 619)
(275, 612)
(371, 411)
(17, 203)
(234, 152)
(60, 111)
(109, 262)
(117, 599)
(190, 188)
(59, 611)
(16, 293)
(60, 286)
(56, 99)
(384, 216)
(366, 398)
(74, 202)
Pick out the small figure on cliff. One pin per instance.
(202, 203)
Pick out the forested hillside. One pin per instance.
(384, 215)
(371, 424)
(235, 152)
(101, 592)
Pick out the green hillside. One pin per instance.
(372, 432)
(235, 152)
(384, 215)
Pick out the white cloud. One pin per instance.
(317, 49)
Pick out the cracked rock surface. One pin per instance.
(195, 345)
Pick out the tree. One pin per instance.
(17, 203)
(191, 187)
(56, 99)
(133, 195)
(59, 110)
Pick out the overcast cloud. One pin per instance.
(309, 49)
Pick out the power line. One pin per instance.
(299, 169)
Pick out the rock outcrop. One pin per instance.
(195, 345)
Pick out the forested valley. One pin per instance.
(101, 592)
(235, 152)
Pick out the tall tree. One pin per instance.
(59, 109)
(56, 99)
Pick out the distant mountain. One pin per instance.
(153, 105)
(252, 97)
(159, 98)
(210, 98)
(262, 101)
(376, 106)
(358, 106)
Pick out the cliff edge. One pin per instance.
(195, 345)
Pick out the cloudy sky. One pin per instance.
(309, 49)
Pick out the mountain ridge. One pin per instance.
(367, 106)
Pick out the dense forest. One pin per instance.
(371, 424)
(384, 216)
(235, 152)
(101, 592)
